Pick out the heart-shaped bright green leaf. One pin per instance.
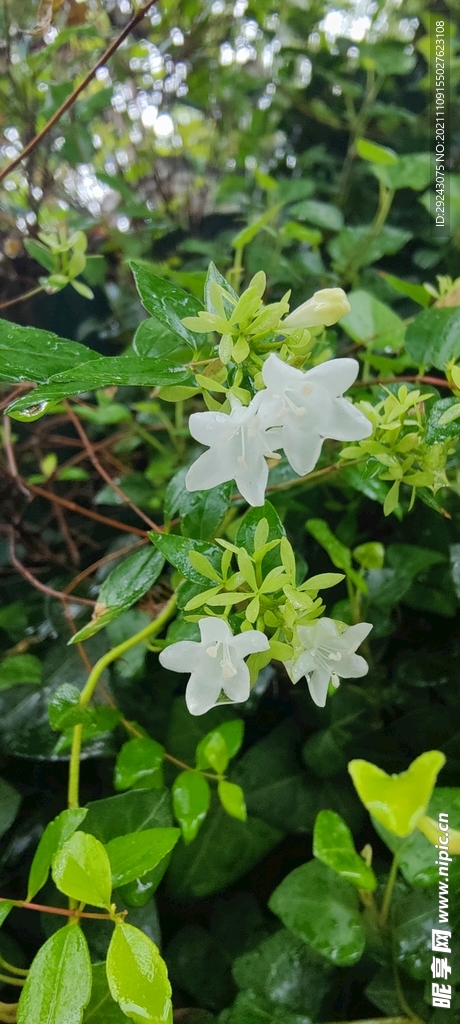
(137, 977)
(81, 870)
(58, 986)
(397, 801)
(140, 764)
(333, 844)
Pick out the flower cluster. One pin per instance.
(295, 412)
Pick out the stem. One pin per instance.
(61, 911)
(388, 892)
(235, 273)
(74, 95)
(12, 969)
(88, 690)
(12, 981)
(21, 298)
(355, 261)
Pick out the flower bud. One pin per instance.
(325, 307)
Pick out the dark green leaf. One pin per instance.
(18, 669)
(129, 812)
(198, 965)
(372, 323)
(202, 512)
(323, 215)
(58, 986)
(433, 338)
(133, 855)
(56, 833)
(236, 846)
(29, 354)
(9, 805)
(166, 301)
(214, 276)
(249, 523)
(286, 972)
(323, 910)
(122, 588)
(102, 1009)
(64, 709)
(389, 240)
(175, 550)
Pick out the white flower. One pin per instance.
(238, 443)
(327, 655)
(309, 407)
(325, 307)
(216, 663)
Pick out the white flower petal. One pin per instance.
(251, 477)
(302, 448)
(352, 637)
(278, 375)
(180, 657)
(214, 630)
(346, 422)
(325, 307)
(318, 683)
(208, 471)
(335, 375)
(237, 687)
(352, 666)
(305, 663)
(252, 641)
(209, 427)
(202, 693)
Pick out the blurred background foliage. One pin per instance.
(209, 117)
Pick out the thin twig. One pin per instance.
(55, 910)
(417, 378)
(21, 569)
(75, 94)
(102, 561)
(102, 472)
(9, 449)
(89, 513)
(62, 523)
(21, 298)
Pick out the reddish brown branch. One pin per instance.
(29, 576)
(416, 378)
(102, 561)
(55, 910)
(89, 513)
(74, 95)
(102, 472)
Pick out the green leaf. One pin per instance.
(64, 708)
(29, 354)
(18, 669)
(323, 910)
(139, 764)
(128, 582)
(433, 337)
(133, 855)
(333, 845)
(130, 812)
(202, 512)
(414, 916)
(397, 801)
(138, 978)
(246, 236)
(236, 847)
(286, 972)
(81, 869)
(373, 323)
(101, 1008)
(165, 301)
(5, 907)
(322, 215)
(101, 372)
(214, 276)
(416, 855)
(40, 253)
(219, 745)
(246, 535)
(176, 549)
(416, 292)
(191, 801)
(413, 171)
(370, 555)
(56, 833)
(442, 421)
(9, 805)
(58, 986)
(231, 797)
(377, 154)
(389, 240)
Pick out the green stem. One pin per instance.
(88, 690)
(150, 439)
(355, 261)
(11, 981)
(12, 969)
(384, 910)
(235, 273)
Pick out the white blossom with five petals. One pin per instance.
(216, 663)
(238, 443)
(328, 655)
(308, 407)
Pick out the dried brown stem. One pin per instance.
(29, 576)
(89, 513)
